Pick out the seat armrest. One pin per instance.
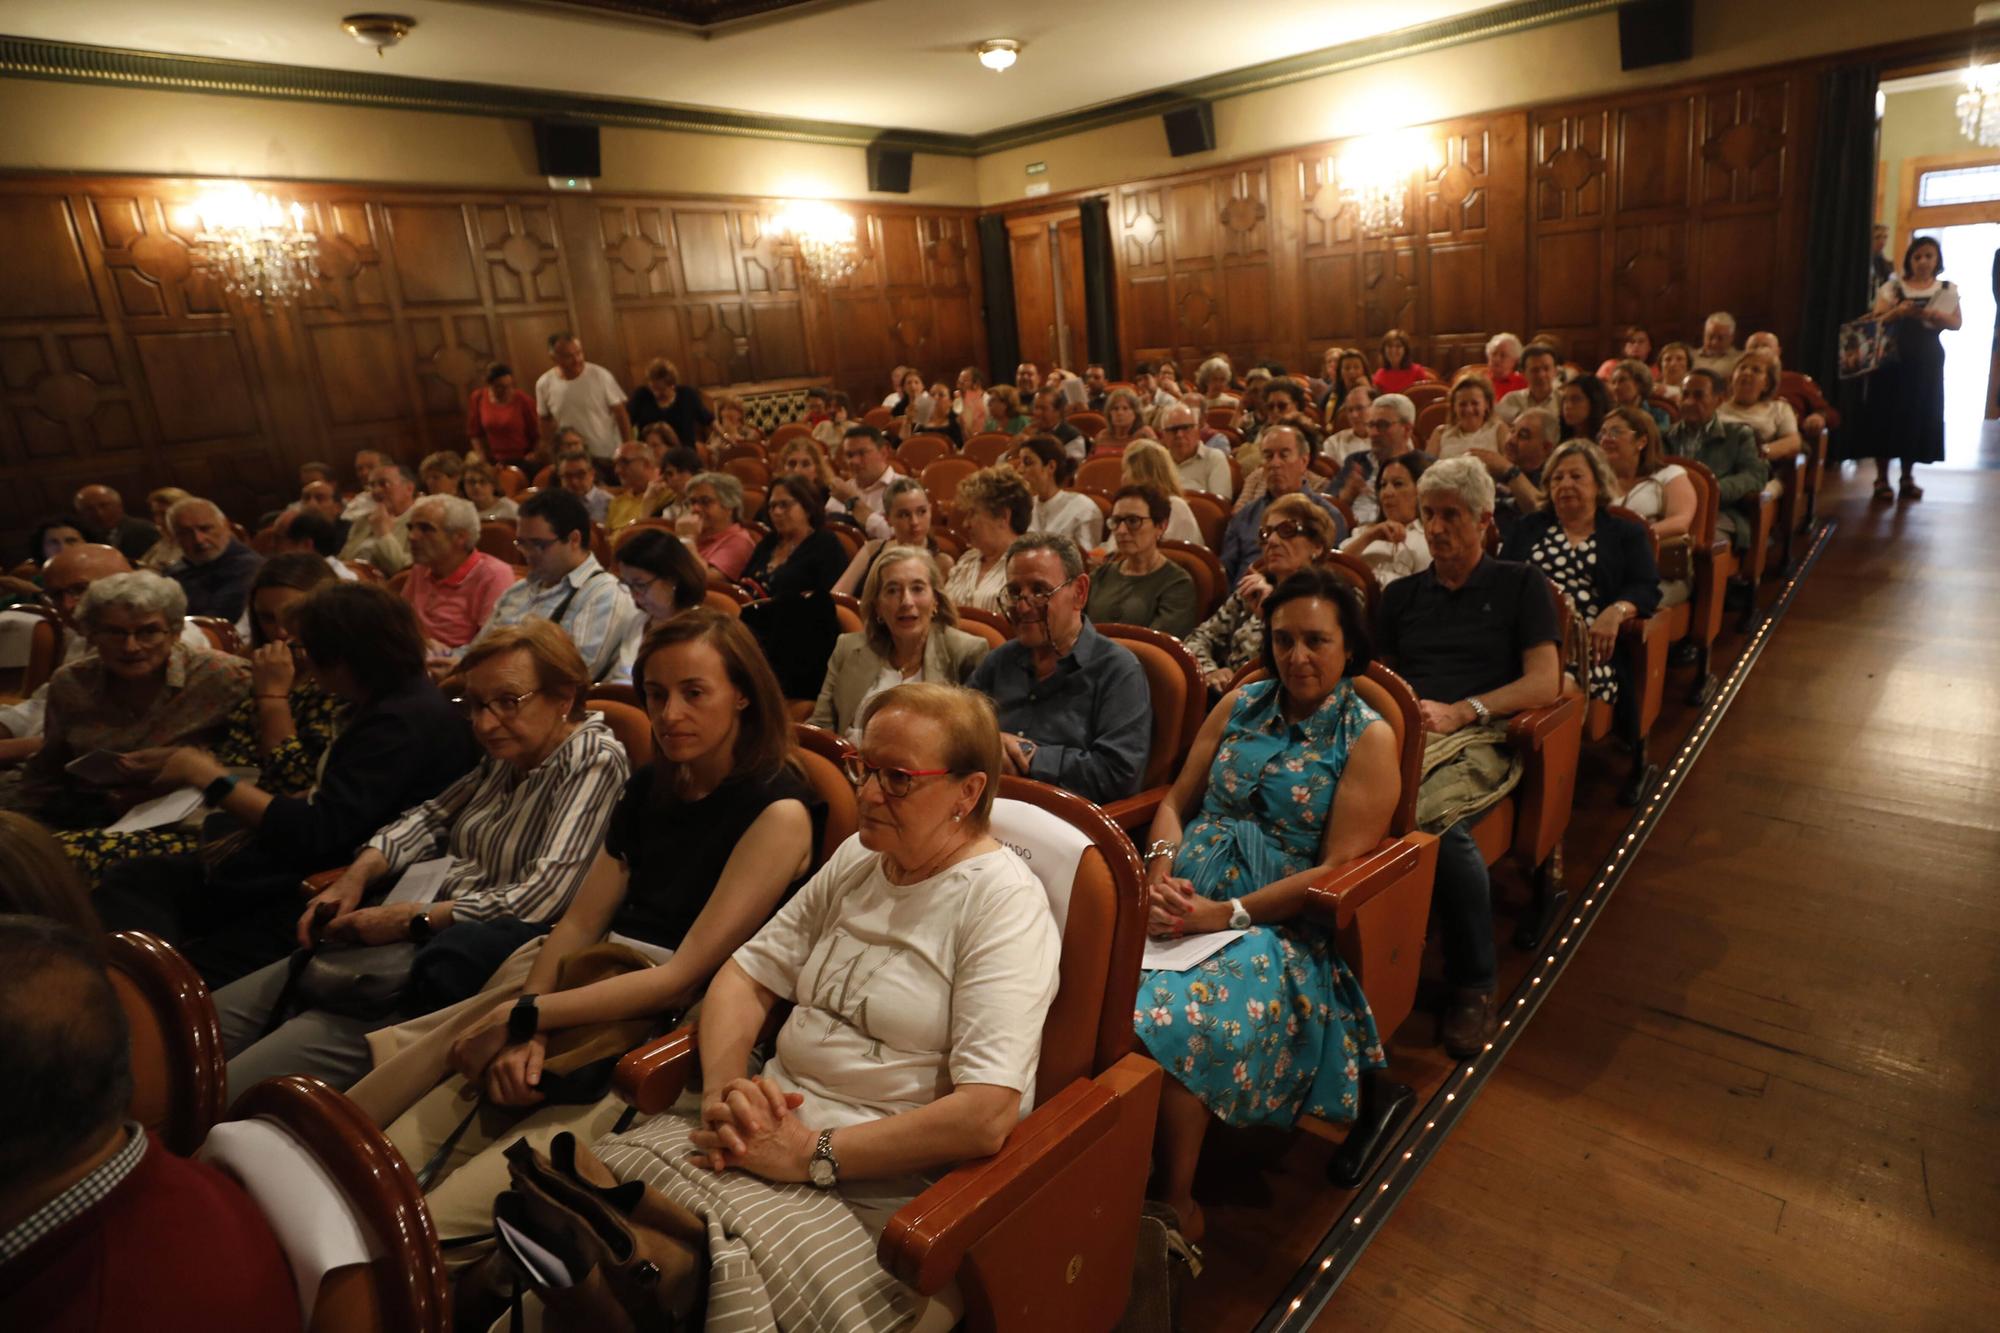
(1346, 889)
(1532, 729)
(653, 1077)
(1136, 812)
(323, 880)
(928, 1238)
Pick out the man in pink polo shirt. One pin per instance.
(453, 585)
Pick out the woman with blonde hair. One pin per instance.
(994, 507)
(1149, 464)
(908, 632)
(732, 425)
(1472, 424)
(909, 513)
(1753, 401)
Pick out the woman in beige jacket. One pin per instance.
(908, 633)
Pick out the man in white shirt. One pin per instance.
(1058, 512)
(1538, 363)
(1027, 380)
(1352, 437)
(860, 493)
(583, 397)
(1387, 421)
(1153, 399)
(383, 538)
(1718, 351)
(1200, 468)
(363, 504)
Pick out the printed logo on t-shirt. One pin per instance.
(840, 991)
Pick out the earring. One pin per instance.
(957, 815)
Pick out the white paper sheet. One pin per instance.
(421, 881)
(1181, 954)
(159, 812)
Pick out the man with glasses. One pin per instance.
(1287, 471)
(860, 494)
(1517, 469)
(1385, 426)
(642, 492)
(565, 584)
(1200, 468)
(453, 586)
(1074, 707)
(576, 474)
(382, 538)
(215, 569)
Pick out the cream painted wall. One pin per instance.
(76, 127)
(1919, 123)
(1551, 63)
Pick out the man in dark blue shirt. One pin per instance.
(215, 569)
(1287, 468)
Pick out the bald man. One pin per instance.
(105, 520)
(64, 579)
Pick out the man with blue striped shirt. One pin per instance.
(565, 583)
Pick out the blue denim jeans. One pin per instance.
(1462, 903)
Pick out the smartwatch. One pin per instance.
(1239, 915)
(524, 1020)
(1508, 476)
(421, 929)
(216, 792)
(824, 1168)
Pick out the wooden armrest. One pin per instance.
(1333, 901)
(322, 881)
(1134, 812)
(653, 1077)
(927, 1239)
(1531, 729)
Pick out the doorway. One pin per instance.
(1048, 288)
(1970, 425)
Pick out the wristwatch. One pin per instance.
(1239, 915)
(216, 792)
(824, 1168)
(1479, 710)
(1161, 847)
(420, 928)
(524, 1020)
(1508, 476)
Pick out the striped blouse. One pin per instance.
(522, 841)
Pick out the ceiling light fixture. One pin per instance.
(999, 53)
(258, 247)
(1979, 106)
(380, 31)
(824, 237)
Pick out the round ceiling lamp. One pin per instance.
(999, 53)
(380, 31)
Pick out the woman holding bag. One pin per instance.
(703, 847)
(1918, 306)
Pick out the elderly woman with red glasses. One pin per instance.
(1295, 533)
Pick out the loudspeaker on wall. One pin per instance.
(1190, 129)
(1655, 32)
(566, 148)
(889, 169)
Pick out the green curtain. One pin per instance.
(996, 271)
(1842, 203)
(1100, 277)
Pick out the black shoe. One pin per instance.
(1685, 653)
(1468, 1024)
(1736, 596)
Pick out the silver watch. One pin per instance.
(1479, 710)
(824, 1169)
(1239, 915)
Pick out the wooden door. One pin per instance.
(1073, 324)
(1048, 288)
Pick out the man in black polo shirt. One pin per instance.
(1476, 638)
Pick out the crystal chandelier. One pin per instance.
(1979, 106)
(1373, 172)
(256, 247)
(824, 238)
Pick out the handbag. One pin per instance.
(1865, 347)
(1677, 558)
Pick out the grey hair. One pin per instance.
(1722, 317)
(872, 627)
(460, 515)
(141, 592)
(400, 469)
(1062, 547)
(1641, 376)
(1544, 416)
(727, 489)
(193, 502)
(1405, 410)
(1463, 476)
(1214, 366)
(1500, 340)
(1600, 468)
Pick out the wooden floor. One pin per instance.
(1766, 1094)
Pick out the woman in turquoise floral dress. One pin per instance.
(1289, 777)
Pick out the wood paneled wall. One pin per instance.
(122, 362)
(1574, 220)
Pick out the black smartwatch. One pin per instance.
(421, 929)
(1508, 476)
(216, 792)
(524, 1020)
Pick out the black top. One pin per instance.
(815, 566)
(132, 536)
(1625, 570)
(688, 415)
(1451, 643)
(222, 586)
(392, 756)
(676, 849)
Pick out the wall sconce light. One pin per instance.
(1374, 175)
(1979, 106)
(258, 248)
(824, 236)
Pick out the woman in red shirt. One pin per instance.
(501, 420)
(1398, 371)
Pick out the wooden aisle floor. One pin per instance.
(1766, 1093)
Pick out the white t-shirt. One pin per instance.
(1648, 496)
(1393, 560)
(1768, 421)
(906, 991)
(1339, 445)
(1207, 470)
(583, 404)
(1514, 404)
(1070, 514)
(1940, 296)
(1452, 441)
(1181, 524)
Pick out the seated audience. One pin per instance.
(1753, 401)
(1503, 357)
(712, 524)
(910, 406)
(1044, 467)
(1386, 424)
(162, 555)
(1287, 470)
(1472, 424)
(1397, 369)
(960, 1020)
(564, 584)
(1295, 533)
(482, 487)
(1074, 706)
(1350, 415)
(1288, 778)
(799, 554)
(52, 535)
(1726, 448)
(231, 905)
(105, 520)
(1538, 366)
(318, 496)
(1603, 563)
(440, 473)
(1642, 480)
(1718, 351)
(1212, 380)
(1631, 385)
(1473, 660)
(304, 531)
(381, 535)
(909, 525)
(663, 579)
(970, 404)
(662, 400)
(521, 830)
(642, 492)
(732, 425)
(1139, 585)
(362, 502)
(102, 1228)
(1027, 380)
(679, 466)
(143, 687)
(1200, 467)
(577, 474)
(908, 633)
(1347, 371)
(1153, 398)
(1517, 469)
(500, 421)
(1676, 360)
(215, 568)
(862, 493)
(1146, 463)
(994, 509)
(453, 585)
(1050, 417)
(1003, 410)
(1393, 545)
(1635, 344)
(803, 458)
(704, 845)
(1581, 405)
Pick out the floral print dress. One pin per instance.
(1274, 1025)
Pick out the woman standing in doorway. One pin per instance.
(1918, 306)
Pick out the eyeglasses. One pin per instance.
(1012, 596)
(1134, 521)
(1284, 531)
(146, 636)
(533, 545)
(504, 707)
(896, 782)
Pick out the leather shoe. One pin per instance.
(1468, 1023)
(1684, 653)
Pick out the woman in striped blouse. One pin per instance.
(520, 831)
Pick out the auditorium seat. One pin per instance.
(496, 538)
(749, 470)
(1211, 581)
(786, 433)
(941, 480)
(988, 625)
(222, 635)
(631, 726)
(1104, 474)
(822, 765)
(512, 480)
(1211, 515)
(920, 451)
(1424, 393)
(1429, 417)
(988, 448)
(179, 1074)
(1180, 705)
(1089, 424)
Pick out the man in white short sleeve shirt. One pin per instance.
(583, 397)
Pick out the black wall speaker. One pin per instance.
(1655, 32)
(889, 169)
(1191, 129)
(566, 148)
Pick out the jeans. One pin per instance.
(1462, 902)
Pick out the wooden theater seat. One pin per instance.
(1211, 581)
(1211, 515)
(988, 447)
(631, 726)
(988, 625)
(179, 1072)
(920, 451)
(222, 635)
(496, 538)
(1180, 705)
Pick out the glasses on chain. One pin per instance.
(1014, 595)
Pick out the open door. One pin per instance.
(1048, 288)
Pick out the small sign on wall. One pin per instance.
(1036, 189)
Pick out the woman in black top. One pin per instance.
(798, 554)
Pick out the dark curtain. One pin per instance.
(1099, 277)
(1839, 286)
(996, 272)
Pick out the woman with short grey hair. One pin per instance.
(713, 527)
(141, 592)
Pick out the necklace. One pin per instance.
(903, 876)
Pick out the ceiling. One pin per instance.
(894, 64)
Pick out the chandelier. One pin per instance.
(1979, 106)
(824, 238)
(1374, 172)
(256, 247)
